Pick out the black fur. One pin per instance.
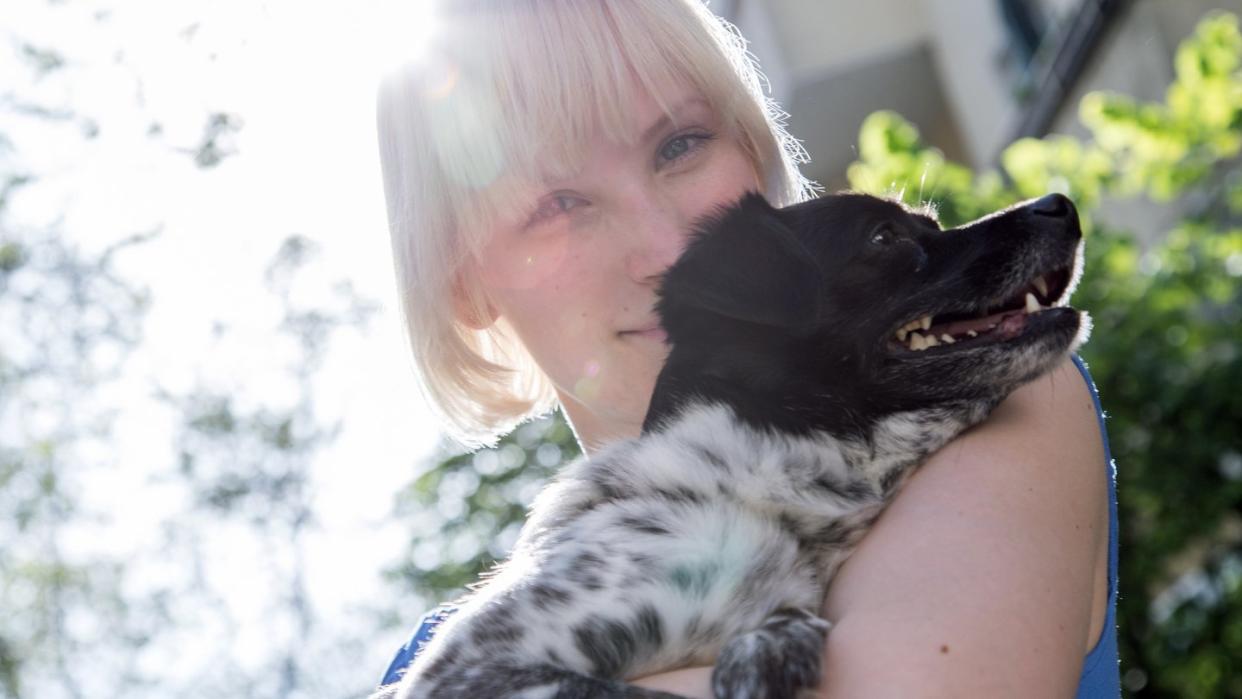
(785, 314)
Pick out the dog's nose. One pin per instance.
(1052, 205)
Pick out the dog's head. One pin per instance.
(836, 312)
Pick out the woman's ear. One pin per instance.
(471, 307)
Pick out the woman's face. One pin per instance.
(575, 276)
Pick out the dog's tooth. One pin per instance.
(947, 339)
(916, 342)
(1032, 304)
(932, 341)
(1041, 286)
(925, 322)
(972, 333)
(901, 334)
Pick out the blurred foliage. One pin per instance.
(247, 465)
(69, 321)
(94, 601)
(81, 623)
(1165, 348)
(457, 507)
(1164, 354)
(80, 318)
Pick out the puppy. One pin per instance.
(818, 354)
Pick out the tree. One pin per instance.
(466, 510)
(245, 464)
(78, 322)
(90, 610)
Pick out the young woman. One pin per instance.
(543, 162)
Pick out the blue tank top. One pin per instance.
(1101, 672)
(1100, 678)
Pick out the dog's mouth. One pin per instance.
(990, 322)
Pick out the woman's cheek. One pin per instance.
(526, 262)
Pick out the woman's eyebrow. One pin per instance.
(667, 118)
(551, 179)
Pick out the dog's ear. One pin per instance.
(749, 265)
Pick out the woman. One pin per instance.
(543, 162)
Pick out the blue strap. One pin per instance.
(410, 650)
(1101, 673)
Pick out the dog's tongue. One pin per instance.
(1009, 323)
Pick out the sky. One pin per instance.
(301, 76)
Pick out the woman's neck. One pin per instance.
(593, 431)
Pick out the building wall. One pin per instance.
(943, 64)
(833, 63)
(822, 37)
(826, 113)
(967, 42)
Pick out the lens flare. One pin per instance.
(402, 31)
(587, 387)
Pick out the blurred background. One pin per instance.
(216, 477)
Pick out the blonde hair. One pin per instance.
(508, 94)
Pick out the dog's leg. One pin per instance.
(780, 658)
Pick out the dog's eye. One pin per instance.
(883, 236)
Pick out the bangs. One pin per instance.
(576, 69)
(526, 91)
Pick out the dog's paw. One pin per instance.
(775, 661)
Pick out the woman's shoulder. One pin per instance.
(993, 547)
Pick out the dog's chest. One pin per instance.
(709, 526)
(691, 491)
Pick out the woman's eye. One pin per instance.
(679, 146)
(556, 205)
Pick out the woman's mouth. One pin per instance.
(655, 333)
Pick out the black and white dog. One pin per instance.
(818, 354)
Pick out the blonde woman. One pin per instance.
(543, 162)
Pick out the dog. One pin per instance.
(818, 353)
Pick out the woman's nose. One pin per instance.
(658, 236)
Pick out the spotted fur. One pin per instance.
(783, 422)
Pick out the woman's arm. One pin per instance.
(987, 576)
